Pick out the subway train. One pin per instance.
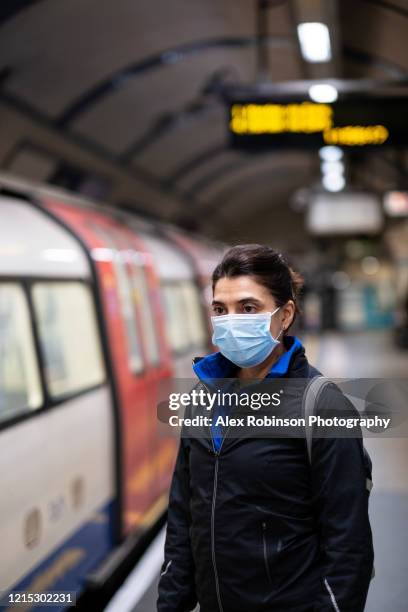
(97, 308)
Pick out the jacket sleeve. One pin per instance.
(176, 589)
(341, 507)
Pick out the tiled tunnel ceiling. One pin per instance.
(121, 92)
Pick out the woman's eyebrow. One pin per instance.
(240, 301)
(249, 299)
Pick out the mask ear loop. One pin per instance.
(283, 329)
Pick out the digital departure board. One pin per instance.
(364, 122)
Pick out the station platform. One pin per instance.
(369, 354)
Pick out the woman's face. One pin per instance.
(243, 295)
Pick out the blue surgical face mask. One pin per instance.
(244, 339)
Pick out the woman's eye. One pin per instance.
(248, 309)
(218, 310)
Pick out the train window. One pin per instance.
(142, 299)
(20, 387)
(68, 336)
(193, 313)
(177, 333)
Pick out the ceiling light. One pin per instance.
(314, 41)
(323, 92)
(333, 182)
(330, 153)
(332, 166)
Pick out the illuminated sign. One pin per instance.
(349, 123)
(356, 135)
(304, 118)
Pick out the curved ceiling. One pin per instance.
(118, 101)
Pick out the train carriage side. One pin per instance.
(56, 413)
(139, 355)
(148, 316)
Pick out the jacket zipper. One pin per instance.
(332, 597)
(164, 572)
(217, 586)
(211, 414)
(265, 552)
(209, 426)
(216, 455)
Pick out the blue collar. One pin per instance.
(281, 367)
(216, 365)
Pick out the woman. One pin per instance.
(252, 525)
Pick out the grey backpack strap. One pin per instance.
(309, 402)
(310, 396)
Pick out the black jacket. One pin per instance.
(256, 528)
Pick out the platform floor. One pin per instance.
(368, 354)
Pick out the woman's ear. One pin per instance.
(288, 313)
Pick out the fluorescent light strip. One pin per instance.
(314, 41)
(324, 93)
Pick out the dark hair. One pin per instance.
(268, 267)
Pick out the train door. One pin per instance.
(154, 476)
(130, 368)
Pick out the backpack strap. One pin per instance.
(310, 396)
(310, 399)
